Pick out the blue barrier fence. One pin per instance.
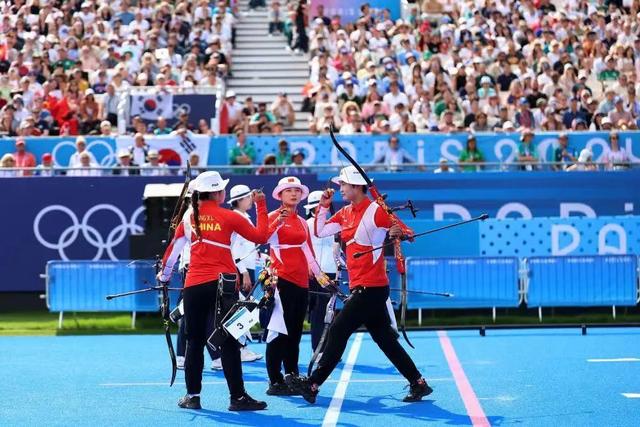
(84, 285)
(488, 282)
(318, 149)
(475, 282)
(582, 281)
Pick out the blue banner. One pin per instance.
(91, 218)
(425, 148)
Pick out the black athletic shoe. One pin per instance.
(417, 391)
(301, 385)
(281, 389)
(190, 402)
(247, 403)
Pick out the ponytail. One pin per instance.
(196, 212)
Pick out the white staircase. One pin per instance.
(262, 67)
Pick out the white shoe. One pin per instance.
(180, 362)
(247, 355)
(216, 364)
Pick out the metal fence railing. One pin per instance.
(310, 169)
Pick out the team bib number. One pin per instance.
(241, 322)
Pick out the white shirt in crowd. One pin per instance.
(74, 160)
(148, 169)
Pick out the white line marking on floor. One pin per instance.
(331, 417)
(221, 382)
(632, 395)
(620, 359)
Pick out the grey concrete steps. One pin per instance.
(276, 83)
(267, 75)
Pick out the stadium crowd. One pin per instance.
(480, 66)
(500, 65)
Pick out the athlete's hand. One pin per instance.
(282, 217)
(323, 280)
(246, 282)
(162, 278)
(327, 197)
(395, 232)
(258, 195)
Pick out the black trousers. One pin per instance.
(199, 304)
(317, 309)
(182, 336)
(285, 349)
(365, 306)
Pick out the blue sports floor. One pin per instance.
(510, 377)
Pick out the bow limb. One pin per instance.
(164, 312)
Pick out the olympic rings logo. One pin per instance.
(89, 233)
(181, 108)
(108, 160)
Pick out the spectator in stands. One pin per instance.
(109, 105)
(443, 166)
(471, 157)
(283, 110)
(105, 128)
(619, 115)
(183, 122)
(616, 158)
(86, 166)
(161, 127)
(234, 110)
(154, 167)
(353, 125)
(524, 117)
(574, 112)
(46, 168)
(297, 166)
(276, 18)
(585, 162)
(204, 129)
(124, 166)
(262, 121)
(268, 164)
(242, 154)
(8, 161)
(23, 158)
(194, 161)
(81, 147)
(563, 155)
(393, 156)
(89, 113)
(330, 116)
(526, 151)
(283, 157)
(139, 150)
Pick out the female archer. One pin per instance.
(293, 262)
(208, 231)
(362, 225)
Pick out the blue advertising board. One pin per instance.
(319, 150)
(91, 218)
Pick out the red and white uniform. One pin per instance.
(362, 227)
(291, 250)
(211, 254)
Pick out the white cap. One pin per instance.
(153, 154)
(313, 200)
(123, 152)
(209, 181)
(585, 155)
(192, 184)
(88, 92)
(238, 192)
(605, 121)
(507, 125)
(349, 175)
(290, 182)
(230, 94)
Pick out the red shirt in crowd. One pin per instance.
(361, 226)
(25, 160)
(211, 255)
